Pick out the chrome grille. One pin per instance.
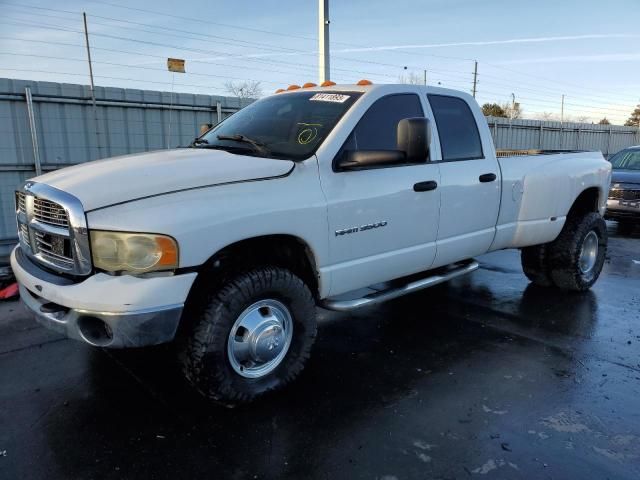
(54, 248)
(50, 213)
(53, 228)
(21, 205)
(24, 233)
(617, 194)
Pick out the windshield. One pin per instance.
(290, 126)
(626, 160)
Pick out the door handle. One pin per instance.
(487, 177)
(425, 186)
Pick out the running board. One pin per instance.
(395, 292)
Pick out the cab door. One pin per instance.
(382, 221)
(470, 182)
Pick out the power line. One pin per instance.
(223, 55)
(261, 45)
(132, 66)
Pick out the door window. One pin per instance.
(457, 128)
(377, 129)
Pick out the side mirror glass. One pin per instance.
(414, 138)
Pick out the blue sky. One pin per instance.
(587, 50)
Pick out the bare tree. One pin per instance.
(512, 110)
(244, 89)
(547, 116)
(411, 79)
(604, 121)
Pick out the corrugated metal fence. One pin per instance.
(547, 135)
(128, 121)
(60, 120)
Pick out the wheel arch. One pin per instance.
(280, 250)
(588, 201)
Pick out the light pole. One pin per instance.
(323, 41)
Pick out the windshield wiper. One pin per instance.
(259, 147)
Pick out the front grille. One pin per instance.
(24, 233)
(21, 204)
(617, 194)
(52, 228)
(54, 248)
(50, 213)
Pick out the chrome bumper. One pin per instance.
(615, 211)
(92, 310)
(105, 329)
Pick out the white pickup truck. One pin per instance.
(339, 196)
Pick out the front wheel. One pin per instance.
(578, 254)
(254, 335)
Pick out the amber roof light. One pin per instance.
(364, 82)
(327, 83)
(293, 87)
(280, 90)
(309, 85)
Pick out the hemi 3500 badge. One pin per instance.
(369, 226)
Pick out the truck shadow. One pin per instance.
(364, 364)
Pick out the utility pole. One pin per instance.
(475, 78)
(562, 123)
(93, 93)
(513, 106)
(425, 78)
(323, 41)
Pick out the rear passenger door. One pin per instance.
(469, 182)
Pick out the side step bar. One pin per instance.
(395, 292)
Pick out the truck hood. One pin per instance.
(121, 179)
(625, 176)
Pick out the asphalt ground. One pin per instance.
(486, 376)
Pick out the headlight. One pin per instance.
(133, 252)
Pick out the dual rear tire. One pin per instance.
(574, 260)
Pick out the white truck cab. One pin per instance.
(304, 198)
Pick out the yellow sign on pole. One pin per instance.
(175, 65)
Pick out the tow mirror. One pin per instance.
(414, 138)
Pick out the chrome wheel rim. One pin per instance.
(260, 338)
(588, 252)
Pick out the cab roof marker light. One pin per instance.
(365, 82)
(309, 85)
(327, 83)
(293, 87)
(280, 90)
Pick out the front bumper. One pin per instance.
(616, 211)
(104, 310)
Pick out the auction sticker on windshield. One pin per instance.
(330, 97)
